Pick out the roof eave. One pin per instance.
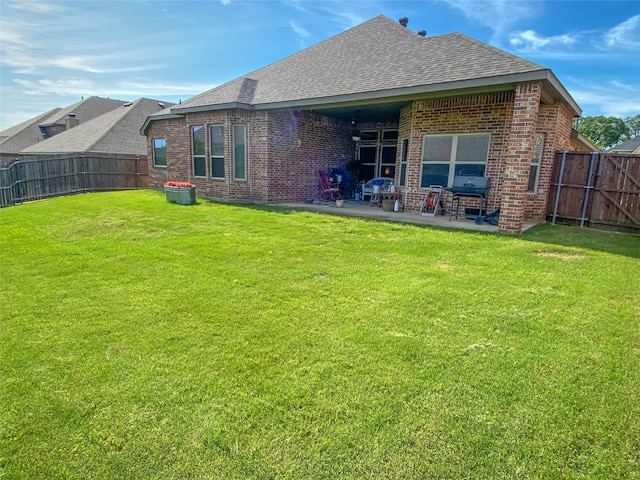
(152, 118)
(218, 106)
(564, 94)
(501, 82)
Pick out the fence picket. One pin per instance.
(596, 190)
(33, 178)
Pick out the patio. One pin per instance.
(362, 209)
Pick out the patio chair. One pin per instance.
(382, 182)
(329, 191)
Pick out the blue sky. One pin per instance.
(55, 52)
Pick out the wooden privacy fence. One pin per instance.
(596, 190)
(33, 178)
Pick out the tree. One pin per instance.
(634, 126)
(604, 131)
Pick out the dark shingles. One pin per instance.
(377, 56)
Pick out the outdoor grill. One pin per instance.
(466, 186)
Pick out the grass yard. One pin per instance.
(141, 339)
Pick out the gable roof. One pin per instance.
(15, 139)
(116, 131)
(630, 146)
(20, 136)
(83, 110)
(377, 59)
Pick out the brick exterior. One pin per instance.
(285, 149)
(489, 113)
(554, 121)
(518, 158)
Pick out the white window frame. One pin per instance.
(454, 151)
(199, 156)
(536, 162)
(212, 157)
(404, 155)
(235, 159)
(166, 160)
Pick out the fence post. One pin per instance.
(84, 173)
(588, 188)
(555, 204)
(137, 172)
(18, 181)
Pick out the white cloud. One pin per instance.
(72, 87)
(36, 6)
(225, 2)
(531, 41)
(299, 30)
(608, 97)
(498, 15)
(624, 35)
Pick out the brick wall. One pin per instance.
(300, 144)
(518, 158)
(285, 150)
(487, 113)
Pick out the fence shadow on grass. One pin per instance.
(610, 242)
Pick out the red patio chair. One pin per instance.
(329, 191)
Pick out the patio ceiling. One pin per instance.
(380, 112)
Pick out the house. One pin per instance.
(629, 147)
(379, 100)
(114, 132)
(14, 139)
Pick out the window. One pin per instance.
(198, 142)
(369, 136)
(388, 161)
(159, 152)
(239, 152)
(445, 156)
(403, 161)
(536, 158)
(389, 135)
(216, 137)
(367, 156)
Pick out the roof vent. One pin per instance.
(422, 33)
(161, 105)
(128, 104)
(403, 21)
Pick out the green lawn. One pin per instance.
(141, 339)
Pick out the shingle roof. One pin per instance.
(628, 146)
(20, 136)
(116, 131)
(84, 110)
(375, 57)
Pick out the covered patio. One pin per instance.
(362, 209)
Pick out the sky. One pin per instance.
(54, 53)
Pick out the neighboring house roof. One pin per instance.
(20, 136)
(379, 59)
(83, 110)
(630, 146)
(15, 139)
(116, 131)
